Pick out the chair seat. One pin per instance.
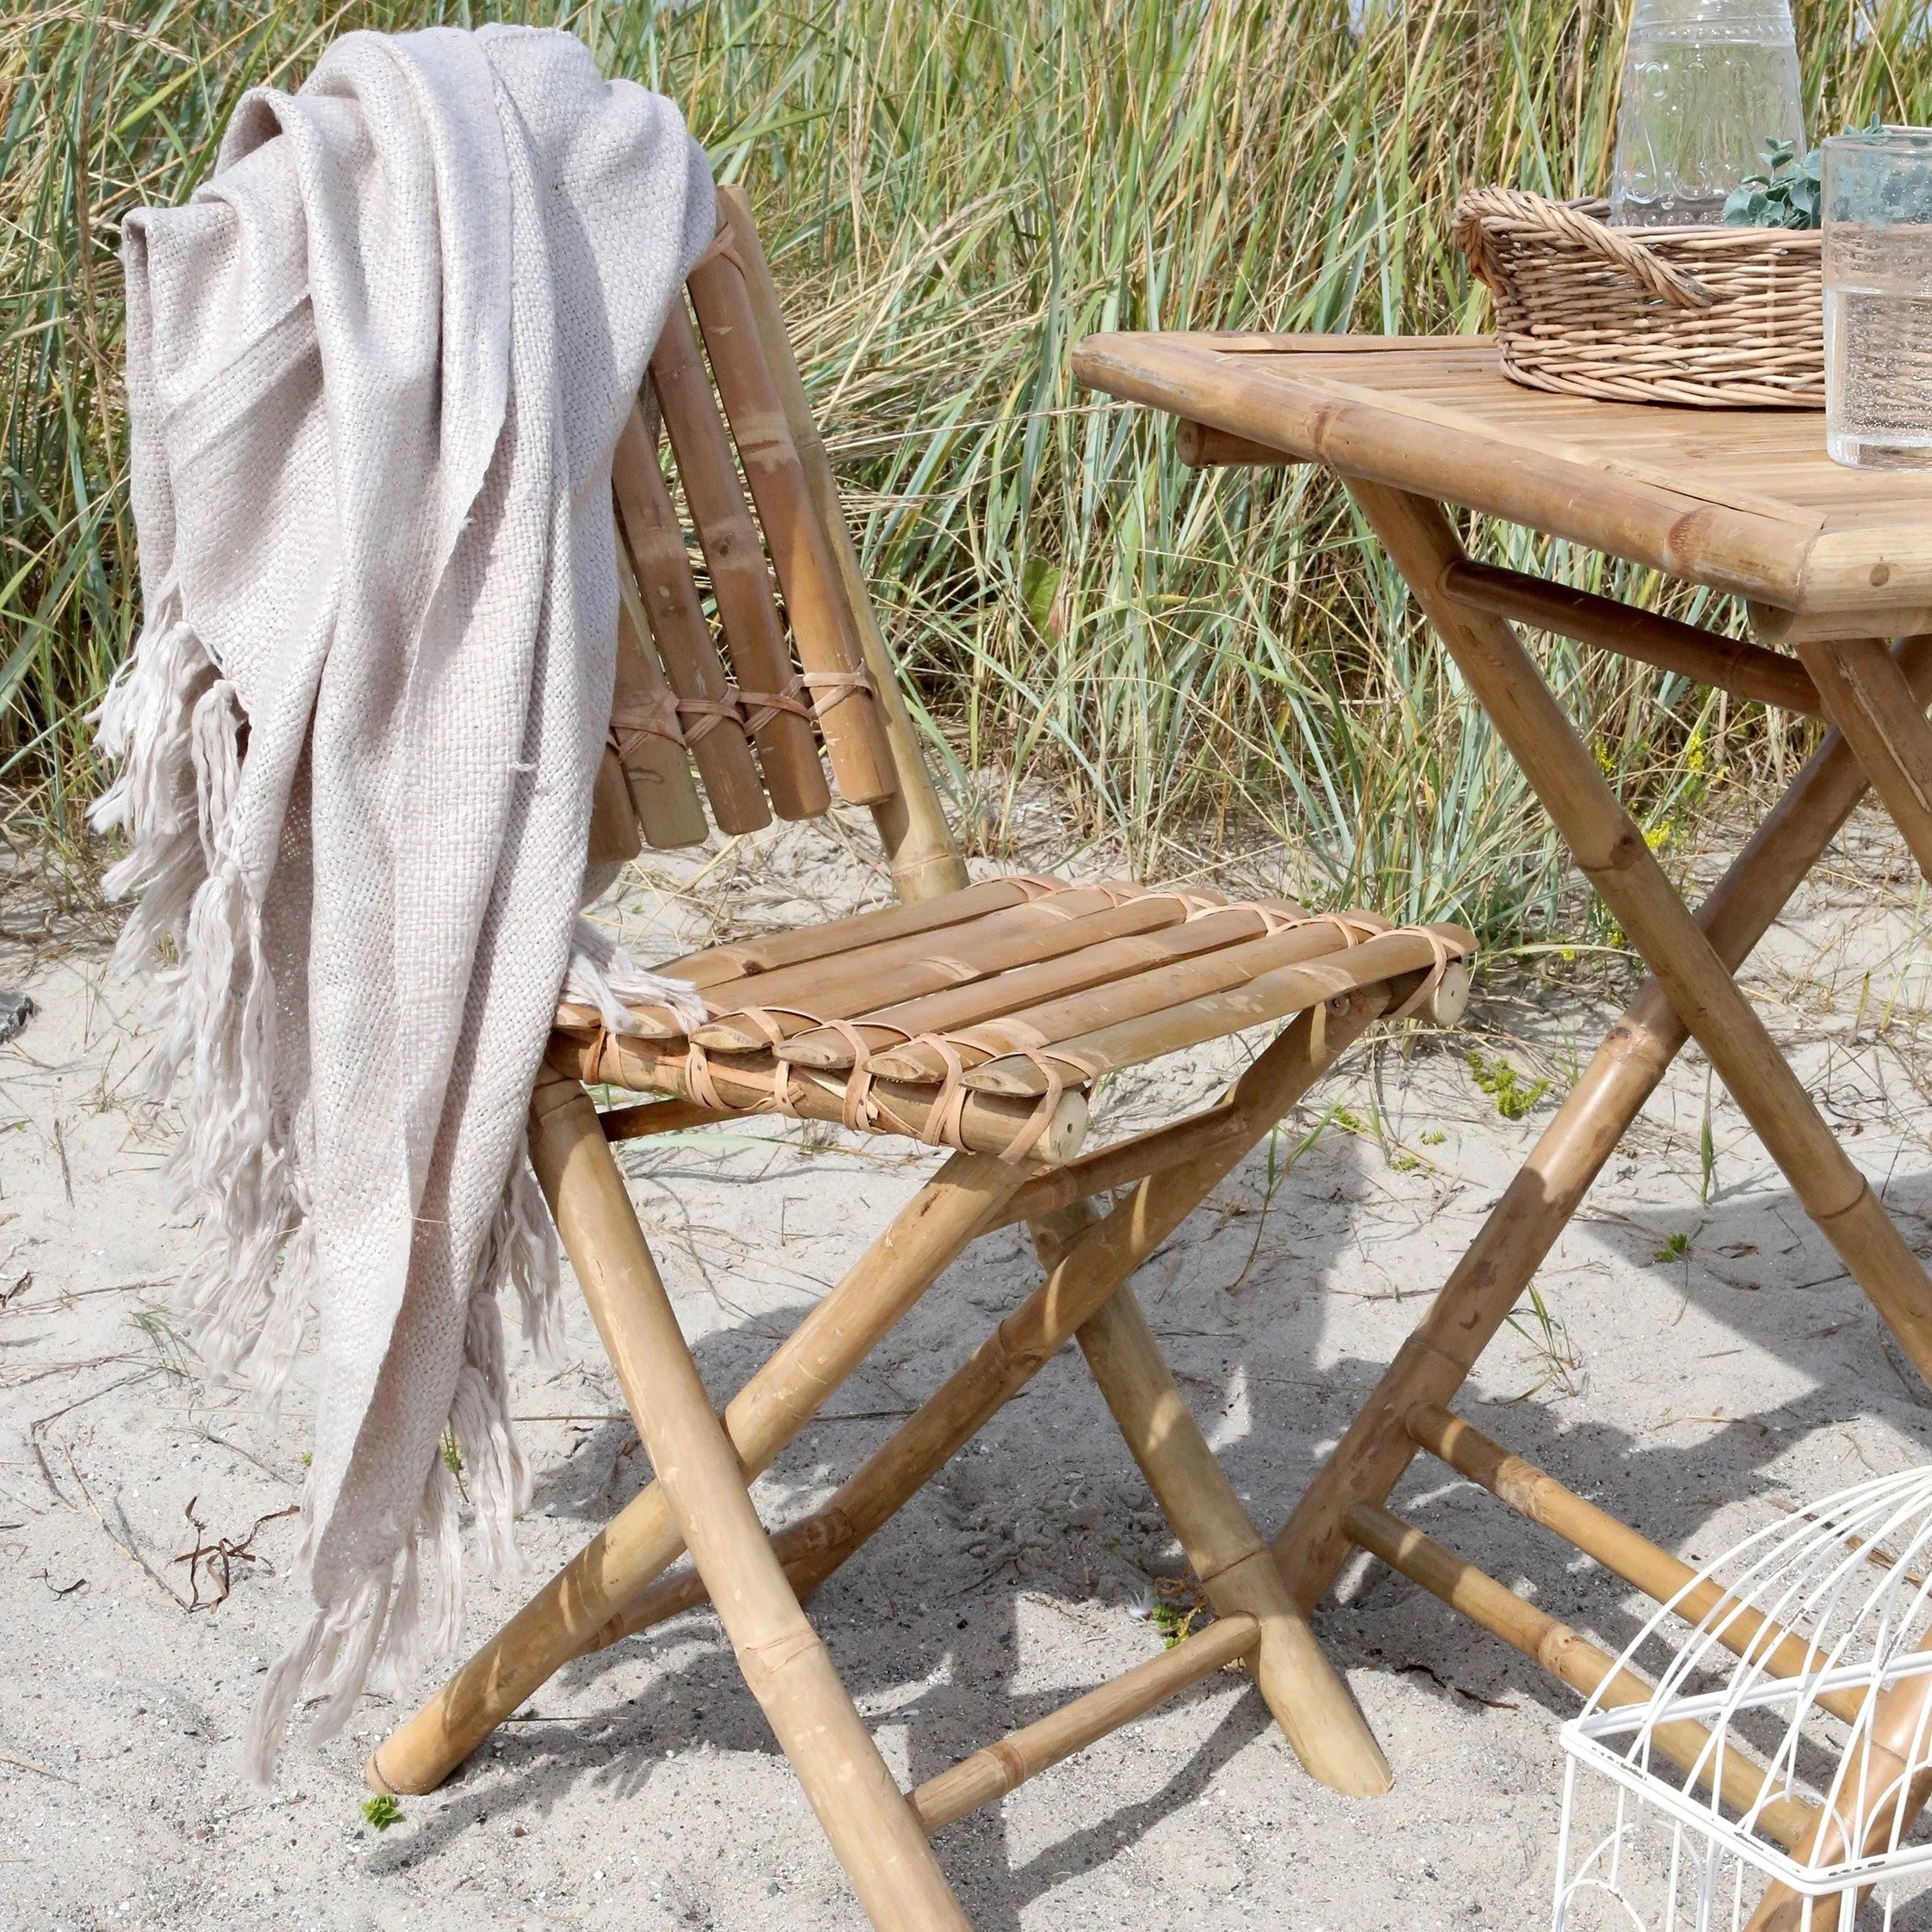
(975, 1019)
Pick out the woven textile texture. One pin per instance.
(376, 369)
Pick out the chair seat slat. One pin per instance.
(1169, 985)
(1267, 996)
(887, 1028)
(979, 955)
(926, 962)
(743, 958)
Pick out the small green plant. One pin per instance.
(1404, 1164)
(1788, 195)
(1514, 1097)
(1676, 1248)
(1432, 1139)
(1552, 1346)
(453, 1455)
(1173, 1621)
(381, 1811)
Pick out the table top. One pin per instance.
(1745, 500)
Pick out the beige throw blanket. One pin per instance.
(376, 369)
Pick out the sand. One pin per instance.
(1687, 1383)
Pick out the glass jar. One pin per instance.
(1708, 85)
(1878, 299)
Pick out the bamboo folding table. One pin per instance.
(1833, 562)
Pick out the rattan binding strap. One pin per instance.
(1724, 318)
(810, 694)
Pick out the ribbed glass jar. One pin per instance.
(1706, 85)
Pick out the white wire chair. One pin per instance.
(1774, 1780)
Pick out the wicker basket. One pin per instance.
(1721, 319)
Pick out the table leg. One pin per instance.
(1868, 697)
(1540, 1202)
(1614, 857)
(1524, 1226)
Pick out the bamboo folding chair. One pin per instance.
(971, 1016)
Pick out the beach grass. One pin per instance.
(1194, 667)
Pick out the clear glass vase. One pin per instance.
(1708, 85)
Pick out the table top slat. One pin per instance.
(1745, 500)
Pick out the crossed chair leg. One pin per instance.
(615, 1586)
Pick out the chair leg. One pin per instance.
(1027, 1339)
(575, 1611)
(873, 1830)
(1306, 1693)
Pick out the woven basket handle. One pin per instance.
(1615, 246)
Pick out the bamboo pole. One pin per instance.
(954, 1007)
(1611, 853)
(658, 1117)
(1069, 922)
(872, 1830)
(1125, 1162)
(1022, 1344)
(1870, 701)
(1744, 669)
(849, 720)
(743, 958)
(1884, 1786)
(1347, 429)
(1489, 1278)
(656, 539)
(1252, 1001)
(920, 850)
(615, 834)
(1201, 447)
(747, 613)
(1169, 979)
(1542, 1499)
(1570, 1657)
(656, 767)
(574, 1612)
(1773, 625)
(1304, 1691)
(990, 1773)
(988, 1123)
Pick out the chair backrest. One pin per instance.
(786, 672)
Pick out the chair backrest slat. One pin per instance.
(919, 848)
(832, 678)
(672, 606)
(848, 715)
(740, 583)
(644, 731)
